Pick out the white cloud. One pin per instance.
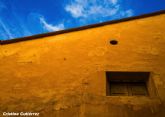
(85, 8)
(113, 1)
(50, 27)
(75, 10)
(129, 13)
(96, 9)
(6, 30)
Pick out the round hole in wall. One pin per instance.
(114, 42)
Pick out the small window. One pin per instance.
(128, 88)
(127, 83)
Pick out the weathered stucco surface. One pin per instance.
(64, 75)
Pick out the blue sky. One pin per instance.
(20, 18)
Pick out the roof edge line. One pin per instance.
(2, 42)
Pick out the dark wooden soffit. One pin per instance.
(2, 42)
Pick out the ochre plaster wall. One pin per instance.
(64, 75)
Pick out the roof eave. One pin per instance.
(2, 42)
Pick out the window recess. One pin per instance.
(127, 83)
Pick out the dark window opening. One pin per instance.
(128, 88)
(127, 83)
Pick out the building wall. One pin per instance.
(64, 75)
